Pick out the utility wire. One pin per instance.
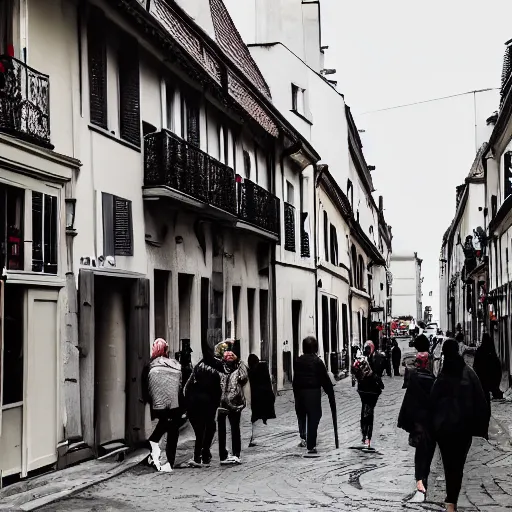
(429, 101)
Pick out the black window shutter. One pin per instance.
(129, 89)
(108, 224)
(326, 236)
(123, 229)
(507, 173)
(97, 58)
(37, 232)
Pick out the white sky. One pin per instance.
(394, 52)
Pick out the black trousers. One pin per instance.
(168, 423)
(396, 369)
(454, 451)
(308, 407)
(236, 438)
(201, 415)
(368, 403)
(423, 456)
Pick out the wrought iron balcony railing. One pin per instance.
(289, 227)
(258, 206)
(173, 162)
(24, 102)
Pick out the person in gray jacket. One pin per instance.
(161, 387)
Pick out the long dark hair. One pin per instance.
(487, 344)
(453, 362)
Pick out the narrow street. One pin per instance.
(274, 476)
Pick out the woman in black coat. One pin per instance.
(396, 358)
(414, 418)
(262, 394)
(460, 412)
(488, 367)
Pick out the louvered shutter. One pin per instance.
(97, 58)
(123, 237)
(129, 89)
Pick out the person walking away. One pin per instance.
(202, 398)
(310, 376)
(396, 357)
(232, 403)
(369, 387)
(386, 351)
(414, 418)
(460, 412)
(161, 388)
(262, 394)
(488, 368)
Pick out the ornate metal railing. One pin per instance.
(289, 227)
(258, 206)
(169, 161)
(25, 102)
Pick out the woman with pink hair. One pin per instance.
(161, 388)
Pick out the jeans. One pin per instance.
(308, 407)
(368, 403)
(236, 438)
(202, 418)
(454, 451)
(423, 456)
(168, 423)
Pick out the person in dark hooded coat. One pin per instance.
(460, 412)
(262, 394)
(396, 358)
(488, 367)
(414, 418)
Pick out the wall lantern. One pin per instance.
(70, 214)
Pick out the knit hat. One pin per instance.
(160, 348)
(221, 347)
(422, 360)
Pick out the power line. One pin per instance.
(429, 101)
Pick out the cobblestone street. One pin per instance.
(274, 476)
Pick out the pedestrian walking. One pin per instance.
(488, 367)
(232, 402)
(262, 394)
(310, 376)
(386, 351)
(202, 397)
(460, 412)
(415, 418)
(161, 388)
(396, 357)
(369, 387)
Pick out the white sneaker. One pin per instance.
(230, 460)
(419, 497)
(236, 460)
(155, 454)
(166, 468)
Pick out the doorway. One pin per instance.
(325, 328)
(251, 303)
(161, 305)
(185, 284)
(264, 326)
(296, 310)
(334, 325)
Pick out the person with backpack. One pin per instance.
(202, 397)
(161, 388)
(369, 387)
(414, 418)
(262, 394)
(309, 377)
(232, 402)
(460, 411)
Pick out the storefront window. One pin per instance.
(13, 345)
(11, 227)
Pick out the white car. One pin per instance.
(431, 330)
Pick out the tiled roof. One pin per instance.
(230, 41)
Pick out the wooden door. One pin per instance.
(41, 378)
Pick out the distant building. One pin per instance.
(406, 293)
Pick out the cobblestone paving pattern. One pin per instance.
(275, 476)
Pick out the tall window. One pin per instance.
(326, 236)
(355, 278)
(334, 246)
(114, 81)
(6, 25)
(507, 174)
(190, 119)
(44, 233)
(11, 227)
(361, 273)
(350, 193)
(299, 100)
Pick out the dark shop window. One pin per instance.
(11, 227)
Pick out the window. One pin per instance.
(361, 272)
(6, 25)
(326, 236)
(299, 100)
(355, 279)
(117, 58)
(44, 233)
(334, 246)
(11, 227)
(350, 193)
(290, 193)
(169, 110)
(117, 226)
(247, 164)
(190, 119)
(494, 206)
(507, 173)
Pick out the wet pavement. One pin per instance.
(275, 476)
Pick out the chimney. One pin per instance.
(381, 204)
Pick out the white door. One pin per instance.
(41, 378)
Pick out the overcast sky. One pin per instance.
(396, 52)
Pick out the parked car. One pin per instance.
(431, 329)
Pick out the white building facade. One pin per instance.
(407, 294)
